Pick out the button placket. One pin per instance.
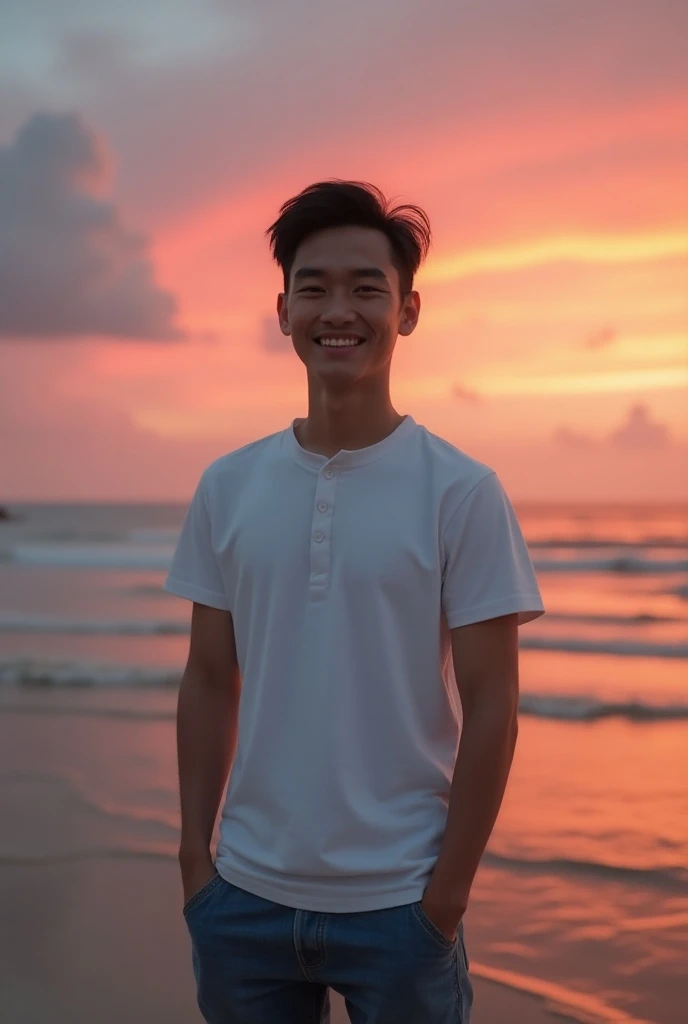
(320, 554)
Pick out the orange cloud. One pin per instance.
(601, 338)
(589, 248)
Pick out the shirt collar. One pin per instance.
(346, 458)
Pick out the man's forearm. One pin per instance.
(207, 713)
(481, 771)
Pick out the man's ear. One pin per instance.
(410, 313)
(281, 308)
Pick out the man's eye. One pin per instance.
(362, 288)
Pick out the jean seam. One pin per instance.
(201, 894)
(429, 927)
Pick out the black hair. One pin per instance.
(337, 203)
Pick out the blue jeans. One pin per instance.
(259, 962)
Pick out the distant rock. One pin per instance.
(7, 516)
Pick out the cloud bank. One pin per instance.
(69, 265)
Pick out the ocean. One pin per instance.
(582, 897)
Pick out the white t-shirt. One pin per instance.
(344, 576)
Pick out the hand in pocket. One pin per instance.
(196, 875)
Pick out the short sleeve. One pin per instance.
(194, 572)
(488, 570)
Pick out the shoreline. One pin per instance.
(90, 888)
(105, 940)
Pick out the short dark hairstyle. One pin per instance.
(336, 203)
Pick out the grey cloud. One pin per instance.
(69, 265)
(640, 431)
(637, 432)
(470, 395)
(295, 79)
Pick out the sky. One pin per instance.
(145, 147)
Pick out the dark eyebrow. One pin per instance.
(358, 272)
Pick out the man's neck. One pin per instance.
(329, 442)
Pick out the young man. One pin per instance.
(357, 587)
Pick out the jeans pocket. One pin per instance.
(199, 896)
(428, 926)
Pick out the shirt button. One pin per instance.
(322, 507)
(329, 474)
(319, 536)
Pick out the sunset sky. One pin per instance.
(146, 146)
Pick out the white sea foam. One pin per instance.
(29, 671)
(91, 556)
(153, 549)
(92, 627)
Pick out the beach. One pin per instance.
(579, 910)
(91, 896)
(96, 934)
(103, 941)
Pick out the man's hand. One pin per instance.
(446, 919)
(197, 871)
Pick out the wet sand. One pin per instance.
(102, 940)
(91, 928)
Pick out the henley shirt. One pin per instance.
(343, 577)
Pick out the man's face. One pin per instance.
(343, 284)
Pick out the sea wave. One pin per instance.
(136, 714)
(624, 564)
(49, 672)
(596, 543)
(619, 646)
(70, 788)
(153, 851)
(590, 709)
(565, 1003)
(153, 549)
(91, 556)
(93, 627)
(35, 672)
(674, 878)
(572, 645)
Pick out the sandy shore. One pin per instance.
(102, 940)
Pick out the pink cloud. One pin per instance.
(640, 431)
(503, 120)
(469, 395)
(601, 338)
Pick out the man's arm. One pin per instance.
(485, 656)
(207, 719)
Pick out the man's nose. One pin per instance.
(339, 311)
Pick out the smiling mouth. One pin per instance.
(342, 344)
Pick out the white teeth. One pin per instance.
(340, 342)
